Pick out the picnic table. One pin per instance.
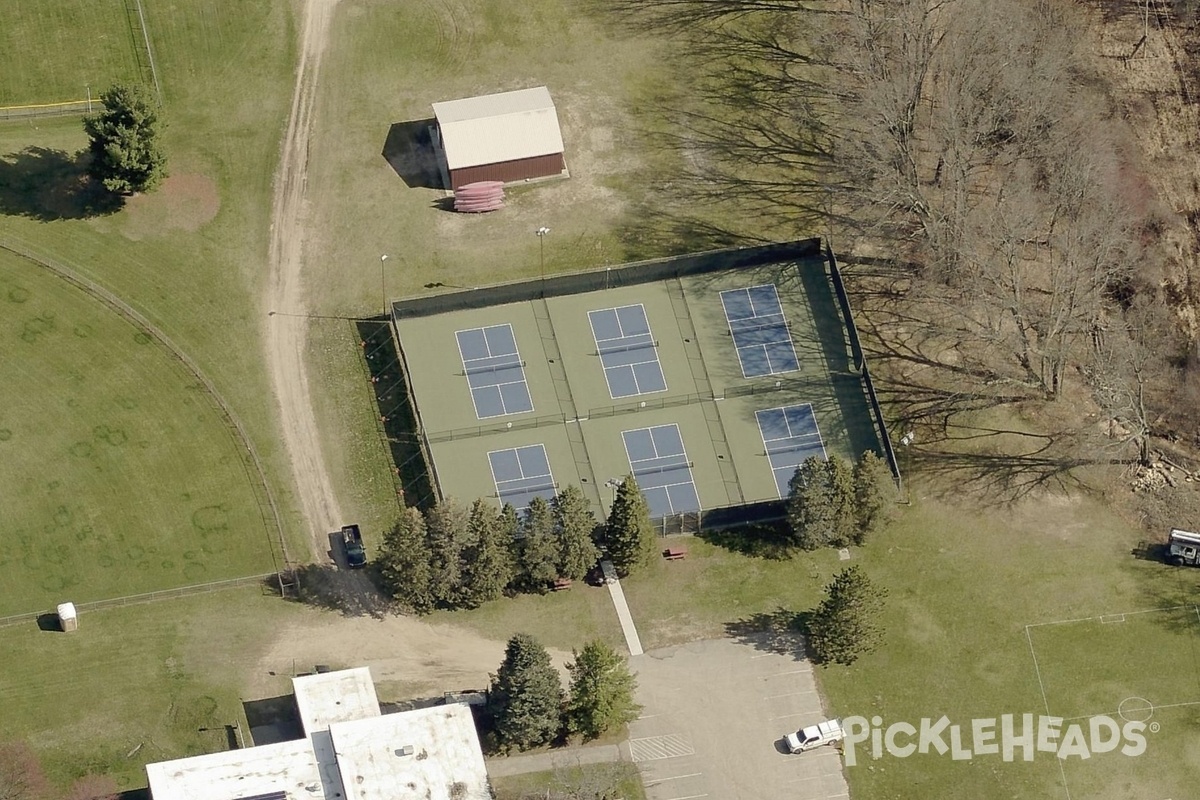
(675, 553)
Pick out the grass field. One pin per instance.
(1142, 666)
(54, 51)
(533, 785)
(188, 256)
(137, 684)
(103, 431)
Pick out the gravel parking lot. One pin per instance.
(714, 714)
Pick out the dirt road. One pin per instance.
(287, 332)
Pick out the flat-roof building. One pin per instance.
(511, 136)
(350, 752)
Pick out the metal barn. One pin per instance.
(511, 136)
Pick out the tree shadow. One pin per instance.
(780, 632)
(398, 421)
(410, 152)
(768, 541)
(354, 593)
(736, 149)
(48, 185)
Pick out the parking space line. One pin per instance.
(793, 672)
(649, 716)
(789, 694)
(677, 777)
(689, 797)
(788, 716)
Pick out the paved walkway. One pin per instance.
(503, 766)
(618, 597)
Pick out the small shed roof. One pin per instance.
(498, 127)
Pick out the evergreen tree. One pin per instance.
(846, 624)
(124, 140)
(449, 537)
(488, 568)
(526, 695)
(632, 542)
(601, 691)
(404, 562)
(540, 551)
(820, 505)
(874, 494)
(575, 524)
(510, 533)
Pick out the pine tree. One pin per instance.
(846, 624)
(874, 495)
(632, 542)
(404, 562)
(526, 695)
(124, 140)
(509, 525)
(601, 691)
(488, 568)
(540, 551)
(575, 524)
(448, 537)
(841, 484)
(820, 505)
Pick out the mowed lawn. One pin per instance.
(53, 52)
(120, 474)
(138, 684)
(189, 256)
(963, 583)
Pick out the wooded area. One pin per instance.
(976, 167)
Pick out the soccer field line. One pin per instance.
(1102, 618)
(1117, 712)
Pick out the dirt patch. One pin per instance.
(184, 202)
(408, 658)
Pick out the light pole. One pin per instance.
(541, 234)
(614, 484)
(383, 282)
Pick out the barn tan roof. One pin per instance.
(498, 127)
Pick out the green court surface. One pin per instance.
(56, 50)
(579, 411)
(120, 474)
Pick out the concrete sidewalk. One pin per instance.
(503, 766)
(618, 597)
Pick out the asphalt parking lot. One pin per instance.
(713, 717)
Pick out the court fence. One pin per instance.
(631, 274)
(860, 363)
(692, 523)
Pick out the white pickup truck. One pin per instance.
(814, 736)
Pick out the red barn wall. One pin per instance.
(509, 171)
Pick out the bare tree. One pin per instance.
(21, 776)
